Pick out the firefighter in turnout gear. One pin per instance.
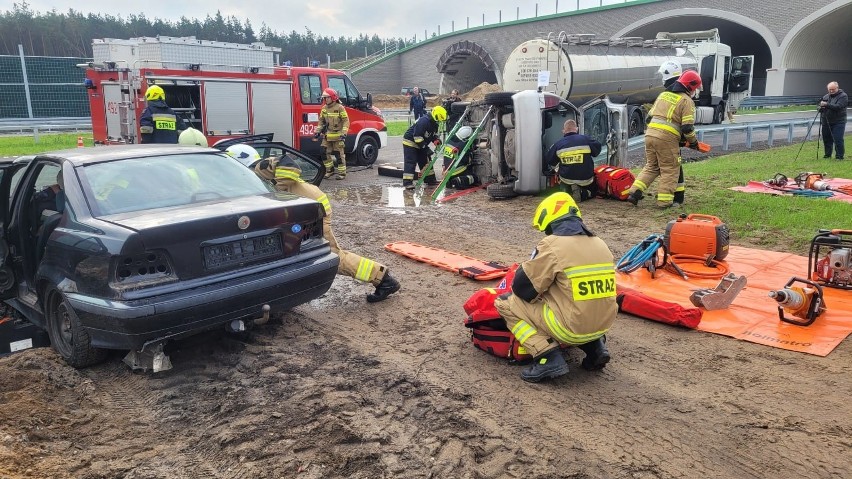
(415, 145)
(332, 128)
(158, 123)
(460, 178)
(285, 174)
(574, 156)
(671, 123)
(564, 294)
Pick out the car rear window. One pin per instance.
(139, 184)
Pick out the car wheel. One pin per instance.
(367, 151)
(501, 191)
(499, 98)
(67, 334)
(459, 107)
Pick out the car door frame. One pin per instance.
(265, 140)
(617, 125)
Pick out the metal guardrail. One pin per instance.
(44, 125)
(764, 101)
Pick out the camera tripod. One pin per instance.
(808, 134)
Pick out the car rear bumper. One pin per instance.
(130, 324)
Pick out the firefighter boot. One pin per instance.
(430, 180)
(633, 198)
(597, 355)
(678, 198)
(549, 365)
(387, 287)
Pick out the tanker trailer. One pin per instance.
(582, 68)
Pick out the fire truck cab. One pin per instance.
(223, 90)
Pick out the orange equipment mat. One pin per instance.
(455, 262)
(753, 316)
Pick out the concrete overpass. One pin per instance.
(798, 45)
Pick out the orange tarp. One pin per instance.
(753, 316)
(450, 261)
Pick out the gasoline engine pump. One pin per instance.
(830, 258)
(803, 302)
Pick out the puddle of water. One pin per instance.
(393, 197)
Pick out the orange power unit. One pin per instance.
(697, 235)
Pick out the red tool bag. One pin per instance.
(613, 182)
(488, 330)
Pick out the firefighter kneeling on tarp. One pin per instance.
(564, 294)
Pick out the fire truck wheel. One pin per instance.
(367, 151)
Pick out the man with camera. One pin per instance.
(832, 107)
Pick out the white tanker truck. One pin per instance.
(625, 70)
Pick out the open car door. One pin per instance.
(8, 183)
(607, 122)
(312, 170)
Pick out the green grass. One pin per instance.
(780, 223)
(396, 128)
(26, 145)
(782, 109)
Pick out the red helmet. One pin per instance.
(329, 92)
(691, 80)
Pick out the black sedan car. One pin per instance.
(126, 247)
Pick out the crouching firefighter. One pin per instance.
(332, 128)
(564, 294)
(574, 156)
(285, 174)
(461, 176)
(415, 145)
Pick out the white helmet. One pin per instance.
(669, 69)
(464, 133)
(244, 154)
(191, 136)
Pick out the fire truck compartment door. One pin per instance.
(112, 102)
(272, 110)
(226, 108)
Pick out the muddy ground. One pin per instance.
(339, 388)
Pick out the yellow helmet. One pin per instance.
(439, 114)
(552, 208)
(155, 92)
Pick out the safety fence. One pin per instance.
(779, 101)
(42, 87)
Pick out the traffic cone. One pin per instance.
(80, 142)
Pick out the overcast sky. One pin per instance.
(349, 18)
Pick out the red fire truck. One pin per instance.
(223, 90)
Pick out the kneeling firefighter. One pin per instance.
(460, 176)
(285, 174)
(564, 294)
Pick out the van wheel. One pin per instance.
(636, 126)
(501, 191)
(499, 98)
(367, 151)
(67, 334)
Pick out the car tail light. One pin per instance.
(149, 266)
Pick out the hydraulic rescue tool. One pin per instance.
(722, 295)
(830, 259)
(803, 302)
(812, 181)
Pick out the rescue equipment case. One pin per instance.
(697, 235)
(613, 182)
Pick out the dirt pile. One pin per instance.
(478, 92)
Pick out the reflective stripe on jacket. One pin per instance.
(335, 120)
(670, 113)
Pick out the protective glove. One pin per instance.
(436, 142)
(317, 136)
(693, 145)
(342, 137)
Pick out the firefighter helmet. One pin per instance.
(330, 93)
(552, 208)
(691, 80)
(155, 92)
(669, 69)
(439, 114)
(191, 136)
(243, 153)
(464, 133)
(287, 169)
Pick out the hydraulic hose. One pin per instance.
(636, 257)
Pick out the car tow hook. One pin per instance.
(150, 357)
(265, 317)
